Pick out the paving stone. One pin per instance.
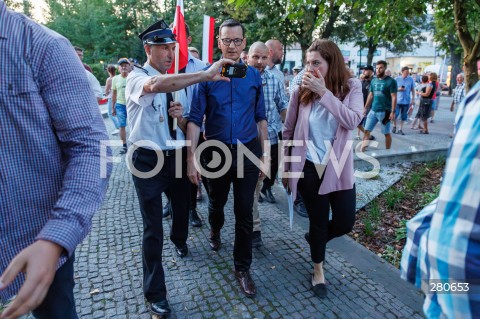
(202, 285)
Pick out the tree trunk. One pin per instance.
(471, 73)
(372, 47)
(471, 47)
(329, 27)
(455, 60)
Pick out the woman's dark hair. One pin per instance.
(336, 79)
(231, 23)
(424, 78)
(111, 69)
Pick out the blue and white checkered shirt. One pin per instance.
(443, 240)
(275, 102)
(50, 129)
(459, 93)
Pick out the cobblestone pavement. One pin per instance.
(108, 270)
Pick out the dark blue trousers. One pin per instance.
(59, 302)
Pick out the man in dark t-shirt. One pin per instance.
(366, 81)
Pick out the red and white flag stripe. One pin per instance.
(208, 39)
(181, 52)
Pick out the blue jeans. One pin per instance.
(373, 118)
(59, 302)
(403, 110)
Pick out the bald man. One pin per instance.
(276, 104)
(275, 49)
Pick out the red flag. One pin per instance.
(208, 38)
(181, 33)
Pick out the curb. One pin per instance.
(386, 157)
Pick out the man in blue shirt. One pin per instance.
(53, 173)
(405, 98)
(235, 117)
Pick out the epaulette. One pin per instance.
(138, 66)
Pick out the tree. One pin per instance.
(467, 15)
(296, 21)
(376, 25)
(444, 23)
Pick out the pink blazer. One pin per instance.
(348, 114)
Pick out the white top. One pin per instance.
(94, 85)
(322, 127)
(148, 115)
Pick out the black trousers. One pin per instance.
(243, 192)
(149, 192)
(318, 207)
(59, 302)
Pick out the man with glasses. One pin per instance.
(235, 114)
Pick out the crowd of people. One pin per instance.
(253, 119)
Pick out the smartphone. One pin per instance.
(237, 70)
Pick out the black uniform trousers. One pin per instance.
(243, 192)
(149, 192)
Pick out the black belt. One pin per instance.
(148, 151)
(247, 145)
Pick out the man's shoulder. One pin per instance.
(41, 37)
(196, 63)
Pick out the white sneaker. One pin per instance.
(115, 132)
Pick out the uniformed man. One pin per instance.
(153, 138)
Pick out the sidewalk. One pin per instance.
(108, 268)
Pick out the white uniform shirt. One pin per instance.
(148, 113)
(94, 85)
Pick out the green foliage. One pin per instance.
(372, 219)
(392, 255)
(391, 24)
(375, 212)
(428, 197)
(369, 227)
(99, 72)
(401, 232)
(393, 197)
(105, 29)
(415, 178)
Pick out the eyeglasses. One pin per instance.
(227, 42)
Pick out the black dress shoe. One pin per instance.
(167, 209)
(246, 283)
(320, 290)
(160, 308)
(182, 251)
(257, 239)
(195, 219)
(300, 209)
(267, 193)
(215, 240)
(260, 198)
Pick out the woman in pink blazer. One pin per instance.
(321, 115)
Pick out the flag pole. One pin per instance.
(176, 94)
